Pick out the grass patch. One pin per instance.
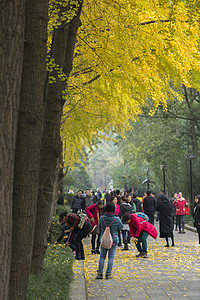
(54, 282)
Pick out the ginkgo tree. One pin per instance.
(128, 54)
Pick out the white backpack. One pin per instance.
(106, 238)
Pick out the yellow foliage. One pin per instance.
(129, 54)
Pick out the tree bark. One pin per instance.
(62, 51)
(27, 155)
(12, 15)
(55, 195)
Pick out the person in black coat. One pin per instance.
(196, 215)
(166, 219)
(125, 208)
(78, 202)
(60, 200)
(107, 196)
(137, 203)
(149, 206)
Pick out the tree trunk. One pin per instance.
(11, 54)
(27, 156)
(55, 194)
(62, 51)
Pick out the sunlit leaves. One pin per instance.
(128, 54)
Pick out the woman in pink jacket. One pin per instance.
(139, 230)
(94, 212)
(180, 204)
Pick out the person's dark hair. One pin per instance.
(100, 202)
(88, 190)
(110, 207)
(124, 199)
(117, 192)
(148, 192)
(79, 191)
(112, 194)
(62, 214)
(135, 195)
(112, 198)
(126, 217)
(163, 197)
(198, 197)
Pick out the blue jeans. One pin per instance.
(142, 239)
(111, 256)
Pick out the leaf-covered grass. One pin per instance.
(54, 282)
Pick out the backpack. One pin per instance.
(106, 238)
(82, 215)
(142, 215)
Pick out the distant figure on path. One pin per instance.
(78, 202)
(165, 209)
(137, 203)
(149, 206)
(180, 204)
(60, 200)
(196, 216)
(89, 198)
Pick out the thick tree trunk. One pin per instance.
(29, 133)
(55, 195)
(11, 55)
(62, 51)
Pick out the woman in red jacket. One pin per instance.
(94, 212)
(180, 204)
(139, 230)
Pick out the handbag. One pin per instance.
(82, 215)
(187, 210)
(96, 229)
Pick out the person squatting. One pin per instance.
(114, 216)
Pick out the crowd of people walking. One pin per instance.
(116, 219)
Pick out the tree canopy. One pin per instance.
(129, 55)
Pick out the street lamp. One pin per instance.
(163, 167)
(147, 180)
(147, 169)
(189, 158)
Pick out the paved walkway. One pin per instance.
(167, 273)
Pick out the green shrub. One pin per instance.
(60, 208)
(189, 220)
(54, 282)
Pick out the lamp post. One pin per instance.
(147, 169)
(147, 180)
(163, 167)
(189, 158)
